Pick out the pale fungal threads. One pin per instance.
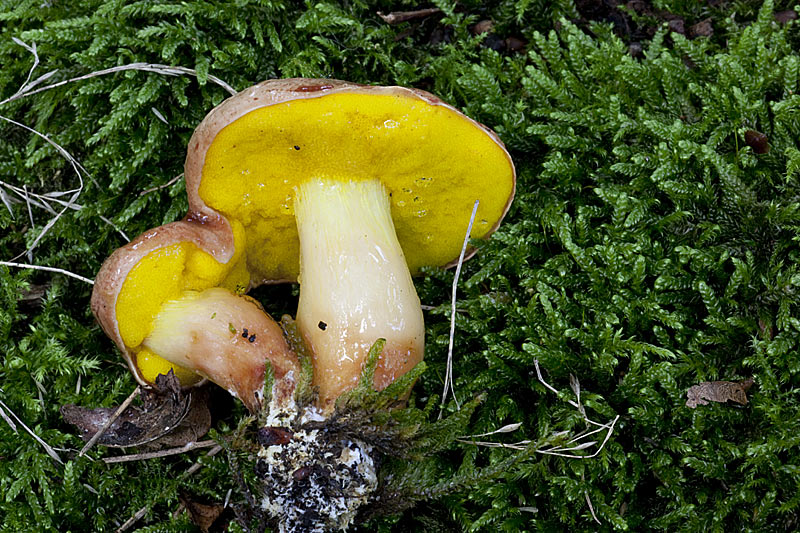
(311, 482)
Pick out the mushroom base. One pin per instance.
(311, 481)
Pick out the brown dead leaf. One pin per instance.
(202, 515)
(701, 29)
(784, 17)
(168, 417)
(718, 391)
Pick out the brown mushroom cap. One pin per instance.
(249, 153)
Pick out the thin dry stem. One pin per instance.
(448, 379)
(143, 511)
(110, 421)
(49, 449)
(167, 184)
(47, 269)
(161, 453)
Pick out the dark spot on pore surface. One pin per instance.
(322, 325)
(252, 338)
(296, 147)
(245, 333)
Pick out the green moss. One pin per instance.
(650, 248)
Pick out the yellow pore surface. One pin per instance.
(163, 275)
(433, 161)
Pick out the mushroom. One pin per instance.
(169, 302)
(348, 189)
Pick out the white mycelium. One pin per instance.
(311, 483)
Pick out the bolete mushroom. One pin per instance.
(169, 302)
(348, 189)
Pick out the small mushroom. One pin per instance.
(168, 300)
(349, 190)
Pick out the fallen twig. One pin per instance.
(161, 453)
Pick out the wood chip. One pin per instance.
(701, 29)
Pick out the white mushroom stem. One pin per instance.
(224, 337)
(355, 286)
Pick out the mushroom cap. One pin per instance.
(248, 154)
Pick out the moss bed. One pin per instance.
(653, 245)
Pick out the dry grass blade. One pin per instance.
(448, 379)
(8, 420)
(75, 193)
(42, 201)
(167, 70)
(575, 444)
(49, 449)
(505, 429)
(591, 508)
(396, 17)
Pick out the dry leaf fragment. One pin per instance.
(202, 515)
(718, 391)
(168, 417)
(396, 17)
